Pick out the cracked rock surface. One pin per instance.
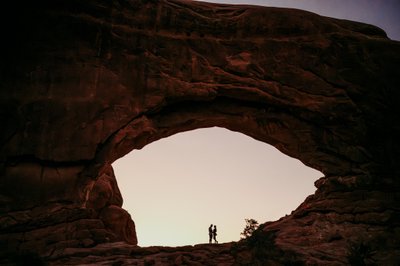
(82, 83)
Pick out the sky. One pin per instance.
(176, 187)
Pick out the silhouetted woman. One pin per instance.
(214, 233)
(210, 233)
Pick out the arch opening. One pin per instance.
(175, 187)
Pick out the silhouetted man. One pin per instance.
(210, 233)
(214, 233)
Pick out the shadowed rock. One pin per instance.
(82, 83)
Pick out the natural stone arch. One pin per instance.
(85, 83)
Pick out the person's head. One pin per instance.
(215, 226)
(211, 225)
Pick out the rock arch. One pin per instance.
(84, 83)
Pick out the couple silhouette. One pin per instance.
(212, 234)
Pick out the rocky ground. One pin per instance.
(120, 253)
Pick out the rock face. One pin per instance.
(83, 83)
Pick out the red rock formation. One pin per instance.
(105, 198)
(85, 82)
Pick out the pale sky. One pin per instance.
(176, 187)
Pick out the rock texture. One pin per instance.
(83, 83)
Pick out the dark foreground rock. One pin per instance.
(119, 253)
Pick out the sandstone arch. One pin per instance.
(83, 83)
